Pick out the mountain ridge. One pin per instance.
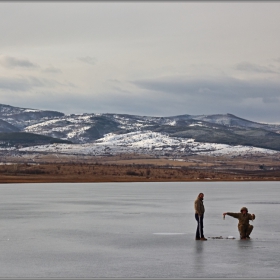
(90, 127)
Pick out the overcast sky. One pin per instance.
(143, 58)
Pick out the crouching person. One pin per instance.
(243, 217)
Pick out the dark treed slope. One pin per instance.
(27, 139)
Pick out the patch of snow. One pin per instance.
(196, 124)
(77, 132)
(31, 110)
(172, 123)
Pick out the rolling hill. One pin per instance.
(88, 128)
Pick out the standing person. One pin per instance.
(199, 215)
(243, 217)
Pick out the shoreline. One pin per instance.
(138, 168)
(105, 173)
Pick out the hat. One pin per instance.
(244, 208)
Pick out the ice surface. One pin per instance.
(137, 230)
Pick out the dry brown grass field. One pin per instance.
(137, 168)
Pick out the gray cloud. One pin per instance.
(88, 60)
(255, 99)
(277, 59)
(52, 70)
(29, 83)
(223, 87)
(12, 62)
(272, 99)
(15, 84)
(250, 67)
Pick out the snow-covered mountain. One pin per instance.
(152, 143)
(23, 117)
(115, 132)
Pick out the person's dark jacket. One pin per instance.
(198, 206)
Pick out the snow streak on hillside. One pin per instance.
(146, 142)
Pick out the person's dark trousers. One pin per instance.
(199, 229)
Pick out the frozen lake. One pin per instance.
(136, 230)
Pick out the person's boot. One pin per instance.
(203, 239)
